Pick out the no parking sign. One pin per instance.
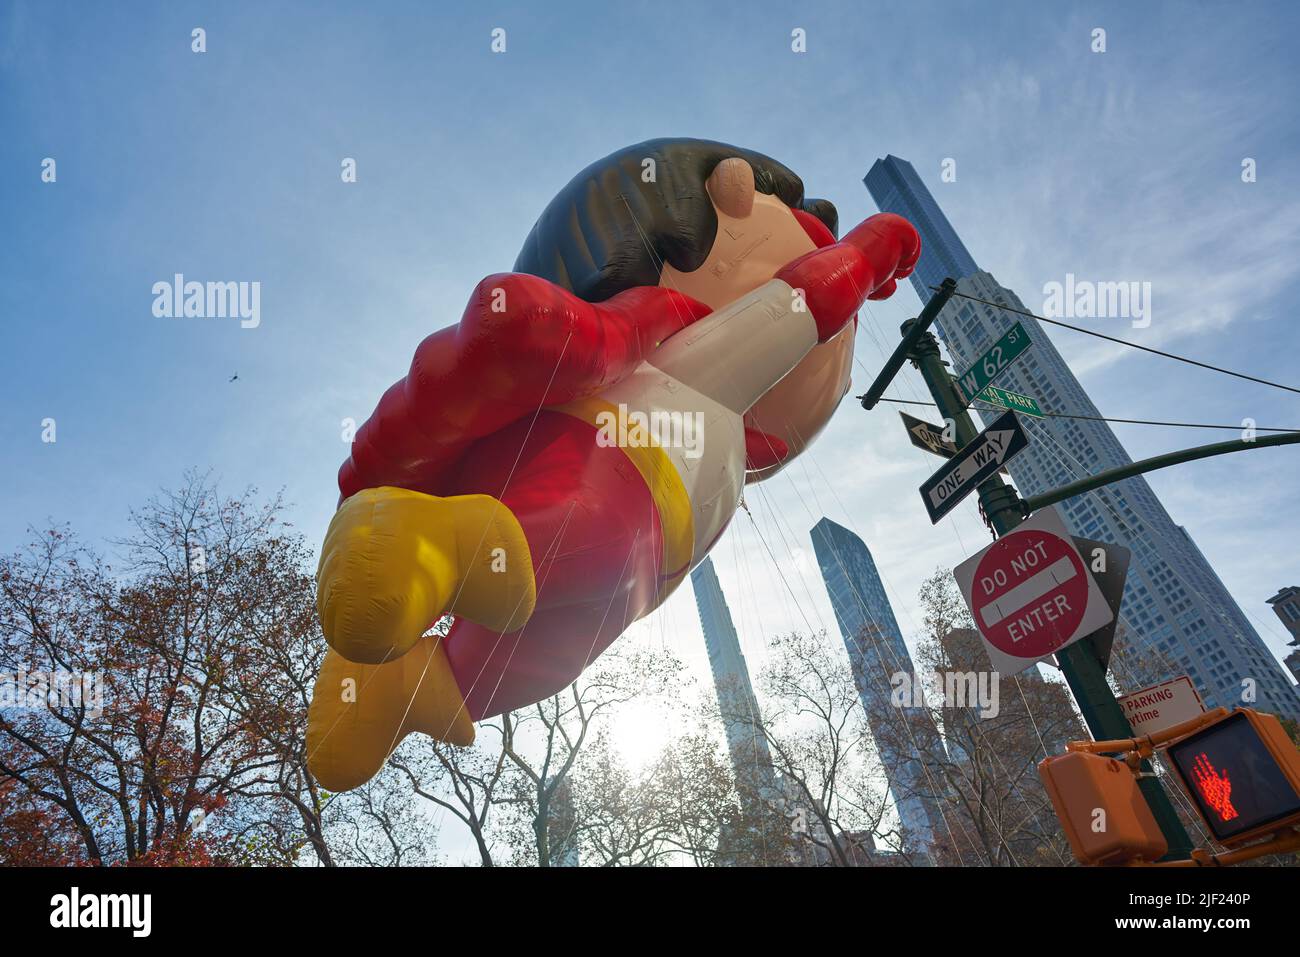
(1031, 593)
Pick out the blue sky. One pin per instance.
(225, 166)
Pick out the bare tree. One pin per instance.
(821, 752)
(609, 816)
(380, 825)
(461, 781)
(543, 743)
(983, 780)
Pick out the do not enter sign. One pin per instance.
(1031, 594)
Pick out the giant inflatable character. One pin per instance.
(680, 321)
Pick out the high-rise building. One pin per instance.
(1286, 605)
(1177, 614)
(1046, 704)
(560, 827)
(1293, 662)
(770, 800)
(750, 756)
(877, 653)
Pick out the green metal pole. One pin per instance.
(1036, 502)
(1079, 662)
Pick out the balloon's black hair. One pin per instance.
(618, 221)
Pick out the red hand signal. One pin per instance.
(1216, 790)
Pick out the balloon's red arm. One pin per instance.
(522, 343)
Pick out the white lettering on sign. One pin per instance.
(992, 449)
(932, 442)
(1030, 621)
(1029, 591)
(1030, 594)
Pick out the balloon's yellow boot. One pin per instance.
(394, 561)
(359, 713)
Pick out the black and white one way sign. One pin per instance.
(973, 463)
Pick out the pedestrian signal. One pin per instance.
(1243, 773)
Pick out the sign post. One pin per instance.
(1004, 509)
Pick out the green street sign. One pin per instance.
(993, 363)
(1011, 400)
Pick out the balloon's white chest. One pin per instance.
(693, 392)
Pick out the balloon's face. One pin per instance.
(747, 251)
(758, 235)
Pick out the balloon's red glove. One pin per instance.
(865, 264)
(763, 451)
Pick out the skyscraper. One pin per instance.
(770, 800)
(1177, 614)
(877, 653)
(750, 757)
(560, 827)
(1286, 605)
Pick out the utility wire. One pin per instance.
(1102, 418)
(1125, 342)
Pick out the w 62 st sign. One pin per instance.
(993, 363)
(1031, 594)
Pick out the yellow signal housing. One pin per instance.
(1103, 813)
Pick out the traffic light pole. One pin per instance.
(1080, 663)
(1034, 503)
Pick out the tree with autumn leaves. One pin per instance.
(205, 644)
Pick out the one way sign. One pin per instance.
(973, 463)
(928, 437)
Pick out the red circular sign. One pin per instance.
(1029, 593)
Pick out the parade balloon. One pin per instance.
(680, 321)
